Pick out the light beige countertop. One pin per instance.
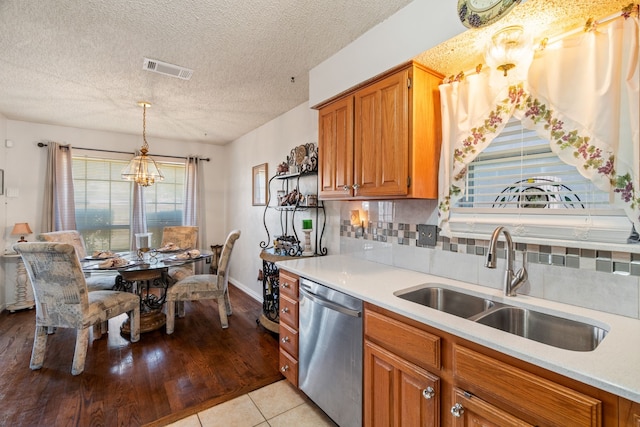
(614, 366)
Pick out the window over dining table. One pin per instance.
(103, 202)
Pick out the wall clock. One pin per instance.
(480, 13)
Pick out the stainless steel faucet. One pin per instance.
(512, 281)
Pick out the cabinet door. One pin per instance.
(335, 149)
(547, 402)
(398, 393)
(381, 138)
(629, 413)
(470, 411)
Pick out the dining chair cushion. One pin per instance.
(95, 282)
(184, 237)
(63, 300)
(204, 287)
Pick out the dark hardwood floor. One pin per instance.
(157, 380)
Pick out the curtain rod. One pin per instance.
(589, 25)
(42, 144)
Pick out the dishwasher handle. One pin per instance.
(329, 304)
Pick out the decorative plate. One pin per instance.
(480, 13)
(301, 153)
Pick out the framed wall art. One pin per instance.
(259, 183)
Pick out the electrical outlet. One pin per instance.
(427, 234)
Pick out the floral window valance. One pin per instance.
(582, 95)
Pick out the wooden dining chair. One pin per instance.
(95, 282)
(204, 287)
(63, 300)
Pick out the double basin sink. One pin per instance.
(545, 328)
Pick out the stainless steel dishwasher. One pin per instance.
(330, 352)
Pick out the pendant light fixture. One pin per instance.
(142, 169)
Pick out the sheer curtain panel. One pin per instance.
(59, 204)
(194, 202)
(138, 214)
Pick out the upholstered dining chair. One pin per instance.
(63, 300)
(95, 282)
(184, 237)
(203, 287)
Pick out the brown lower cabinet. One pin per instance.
(629, 413)
(416, 375)
(289, 326)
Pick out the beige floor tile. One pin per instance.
(276, 398)
(305, 415)
(239, 412)
(191, 421)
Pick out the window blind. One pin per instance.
(518, 170)
(103, 202)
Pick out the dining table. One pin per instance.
(148, 276)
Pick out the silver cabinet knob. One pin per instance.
(355, 189)
(285, 340)
(346, 187)
(285, 285)
(285, 310)
(457, 410)
(428, 393)
(284, 368)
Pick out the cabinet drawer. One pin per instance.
(289, 311)
(469, 410)
(549, 403)
(289, 339)
(289, 284)
(289, 367)
(408, 342)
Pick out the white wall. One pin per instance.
(25, 169)
(3, 212)
(417, 27)
(270, 143)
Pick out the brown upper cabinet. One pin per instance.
(381, 139)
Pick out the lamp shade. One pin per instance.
(21, 229)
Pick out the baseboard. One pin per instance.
(246, 290)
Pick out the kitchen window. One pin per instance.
(103, 202)
(517, 181)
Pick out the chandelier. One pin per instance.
(142, 169)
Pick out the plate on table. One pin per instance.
(118, 267)
(168, 251)
(100, 257)
(178, 258)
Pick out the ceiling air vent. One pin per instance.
(167, 69)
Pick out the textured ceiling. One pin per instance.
(543, 18)
(78, 63)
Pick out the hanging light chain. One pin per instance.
(145, 145)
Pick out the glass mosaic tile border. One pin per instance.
(623, 263)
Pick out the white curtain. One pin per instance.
(138, 215)
(582, 94)
(194, 210)
(59, 203)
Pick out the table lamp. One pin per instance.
(21, 229)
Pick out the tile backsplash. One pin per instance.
(598, 279)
